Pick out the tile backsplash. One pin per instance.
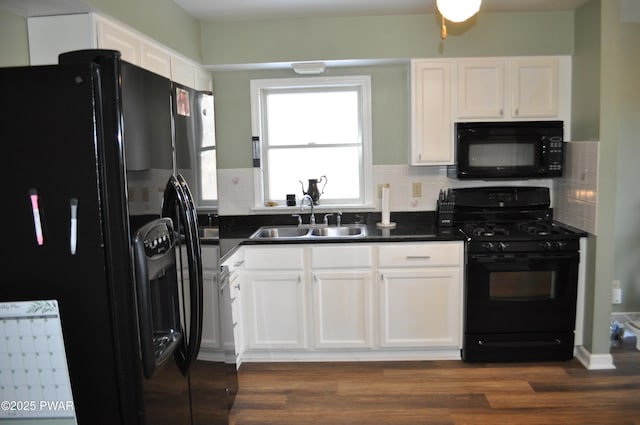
(576, 194)
(411, 188)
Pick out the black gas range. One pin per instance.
(521, 275)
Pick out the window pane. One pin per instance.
(302, 118)
(339, 164)
(207, 123)
(209, 181)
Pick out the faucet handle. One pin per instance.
(339, 218)
(326, 219)
(299, 217)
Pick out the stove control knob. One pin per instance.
(502, 246)
(546, 246)
(561, 245)
(489, 246)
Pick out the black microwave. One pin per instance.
(508, 150)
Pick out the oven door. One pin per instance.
(520, 307)
(525, 292)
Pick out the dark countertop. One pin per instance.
(410, 227)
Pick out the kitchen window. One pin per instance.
(206, 155)
(312, 127)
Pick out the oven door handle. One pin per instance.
(515, 344)
(525, 258)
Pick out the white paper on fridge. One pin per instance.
(33, 364)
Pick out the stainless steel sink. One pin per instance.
(339, 232)
(310, 233)
(280, 232)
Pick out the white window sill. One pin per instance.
(283, 209)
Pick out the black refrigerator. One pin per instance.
(102, 250)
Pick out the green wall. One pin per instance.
(585, 102)
(585, 123)
(14, 48)
(626, 119)
(376, 37)
(606, 107)
(245, 44)
(389, 86)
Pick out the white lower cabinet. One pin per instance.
(275, 310)
(231, 308)
(341, 309)
(346, 301)
(275, 298)
(341, 282)
(211, 338)
(420, 308)
(420, 293)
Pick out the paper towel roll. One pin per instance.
(385, 205)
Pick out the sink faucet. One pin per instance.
(312, 217)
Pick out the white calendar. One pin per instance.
(34, 378)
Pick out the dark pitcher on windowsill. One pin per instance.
(312, 190)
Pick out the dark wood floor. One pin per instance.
(440, 392)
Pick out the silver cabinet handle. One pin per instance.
(418, 257)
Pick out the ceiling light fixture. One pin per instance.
(456, 11)
(307, 68)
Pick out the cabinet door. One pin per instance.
(275, 312)
(481, 88)
(420, 308)
(211, 332)
(431, 124)
(156, 59)
(211, 311)
(534, 88)
(342, 309)
(51, 35)
(183, 72)
(203, 80)
(113, 37)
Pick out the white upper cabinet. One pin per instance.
(51, 35)
(203, 80)
(534, 88)
(114, 37)
(431, 123)
(183, 72)
(156, 59)
(508, 88)
(481, 87)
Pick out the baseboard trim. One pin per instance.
(345, 356)
(594, 361)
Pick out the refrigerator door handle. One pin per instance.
(195, 269)
(177, 205)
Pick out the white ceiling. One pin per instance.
(216, 10)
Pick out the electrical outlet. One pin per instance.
(416, 190)
(616, 293)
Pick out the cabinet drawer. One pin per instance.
(272, 258)
(420, 255)
(344, 256)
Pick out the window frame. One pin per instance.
(362, 83)
(198, 149)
